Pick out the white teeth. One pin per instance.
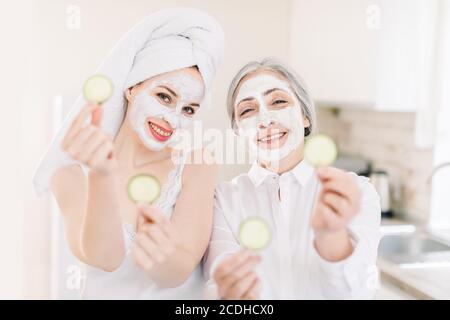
(159, 131)
(272, 137)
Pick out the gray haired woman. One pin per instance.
(324, 221)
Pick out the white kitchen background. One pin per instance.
(378, 70)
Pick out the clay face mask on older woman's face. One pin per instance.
(269, 115)
(166, 105)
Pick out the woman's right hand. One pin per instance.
(236, 278)
(88, 144)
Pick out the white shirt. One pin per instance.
(291, 268)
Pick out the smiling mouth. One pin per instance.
(273, 140)
(158, 132)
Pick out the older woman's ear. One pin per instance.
(307, 126)
(307, 131)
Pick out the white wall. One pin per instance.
(61, 58)
(11, 81)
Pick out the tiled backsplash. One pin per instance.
(387, 139)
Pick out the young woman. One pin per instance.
(325, 222)
(161, 72)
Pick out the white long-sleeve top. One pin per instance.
(291, 268)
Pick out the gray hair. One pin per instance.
(294, 80)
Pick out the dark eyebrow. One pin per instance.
(246, 99)
(195, 105)
(272, 90)
(170, 90)
(267, 92)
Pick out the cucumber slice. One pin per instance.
(255, 233)
(97, 88)
(320, 150)
(143, 188)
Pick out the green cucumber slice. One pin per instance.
(143, 188)
(97, 88)
(320, 150)
(255, 233)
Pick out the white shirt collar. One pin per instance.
(302, 172)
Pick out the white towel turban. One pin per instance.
(167, 40)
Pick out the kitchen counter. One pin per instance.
(418, 282)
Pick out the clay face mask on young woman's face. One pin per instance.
(286, 122)
(146, 107)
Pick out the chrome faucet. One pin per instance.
(436, 169)
(438, 219)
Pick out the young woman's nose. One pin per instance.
(172, 119)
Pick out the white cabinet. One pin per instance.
(370, 53)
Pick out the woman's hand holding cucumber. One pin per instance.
(337, 204)
(88, 144)
(156, 238)
(236, 277)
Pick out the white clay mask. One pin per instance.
(289, 117)
(188, 89)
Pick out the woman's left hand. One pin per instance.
(156, 238)
(337, 203)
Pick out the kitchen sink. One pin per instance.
(414, 250)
